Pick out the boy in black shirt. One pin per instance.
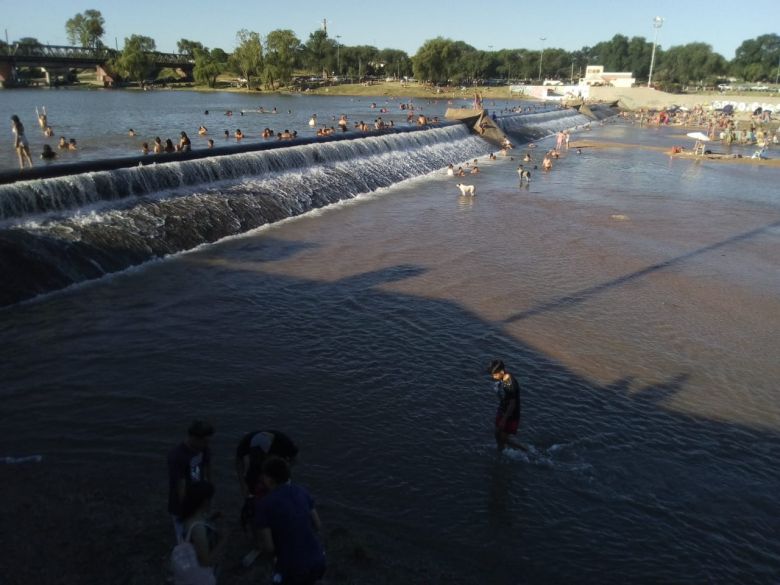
(508, 413)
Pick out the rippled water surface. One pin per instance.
(635, 297)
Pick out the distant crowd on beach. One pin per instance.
(760, 128)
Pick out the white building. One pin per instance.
(595, 75)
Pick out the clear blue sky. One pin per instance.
(405, 24)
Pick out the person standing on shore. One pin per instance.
(287, 526)
(508, 413)
(21, 145)
(189, 462)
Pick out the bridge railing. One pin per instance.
(63, 53)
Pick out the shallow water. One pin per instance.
(636, 298)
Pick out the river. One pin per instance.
(634, 296)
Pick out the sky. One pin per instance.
(405, 24)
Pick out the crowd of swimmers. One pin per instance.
(528, 162)
(22, 144)
(184, 144)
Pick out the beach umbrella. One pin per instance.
(698, 136)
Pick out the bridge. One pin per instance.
(52, 58)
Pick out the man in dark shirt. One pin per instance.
(287, 525)
(189, 462)
(508, 413)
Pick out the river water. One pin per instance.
(635, 297)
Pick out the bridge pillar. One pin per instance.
(7, 74)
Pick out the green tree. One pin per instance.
(320, 53)
(208, 65)
(86, 29)
(757, 59)
(189, 48)
(397, 63)
(282, 48)
(692, 63)
(509, 63)
(247, 59)
(439, 60)
(135, 62)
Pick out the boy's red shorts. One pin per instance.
(510, 426)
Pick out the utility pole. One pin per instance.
(541, 56)
(658, 22)
(338, 54)
(777, 75)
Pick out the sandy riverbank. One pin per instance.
(634, 98)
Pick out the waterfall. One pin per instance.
(56, 232)
(529, 127)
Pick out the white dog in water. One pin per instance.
(467, 189)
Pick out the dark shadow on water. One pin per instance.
(387, 396)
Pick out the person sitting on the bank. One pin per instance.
(210, 143)
(158, 145)
(169, 147)
(48, 153)
(450, 170)
(144, 148)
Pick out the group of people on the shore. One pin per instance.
(278, 518)
(757, 128)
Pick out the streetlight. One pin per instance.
(338, 54)
(541, 55)
(658, 22)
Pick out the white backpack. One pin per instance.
(185, 565)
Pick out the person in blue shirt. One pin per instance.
(287, 526)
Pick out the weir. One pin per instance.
(58, 231)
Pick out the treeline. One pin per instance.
(272, 61)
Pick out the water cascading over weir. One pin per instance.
(73, 223)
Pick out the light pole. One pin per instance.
(541, 56)
(777, 75)
(658, 22)
(338, 54)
